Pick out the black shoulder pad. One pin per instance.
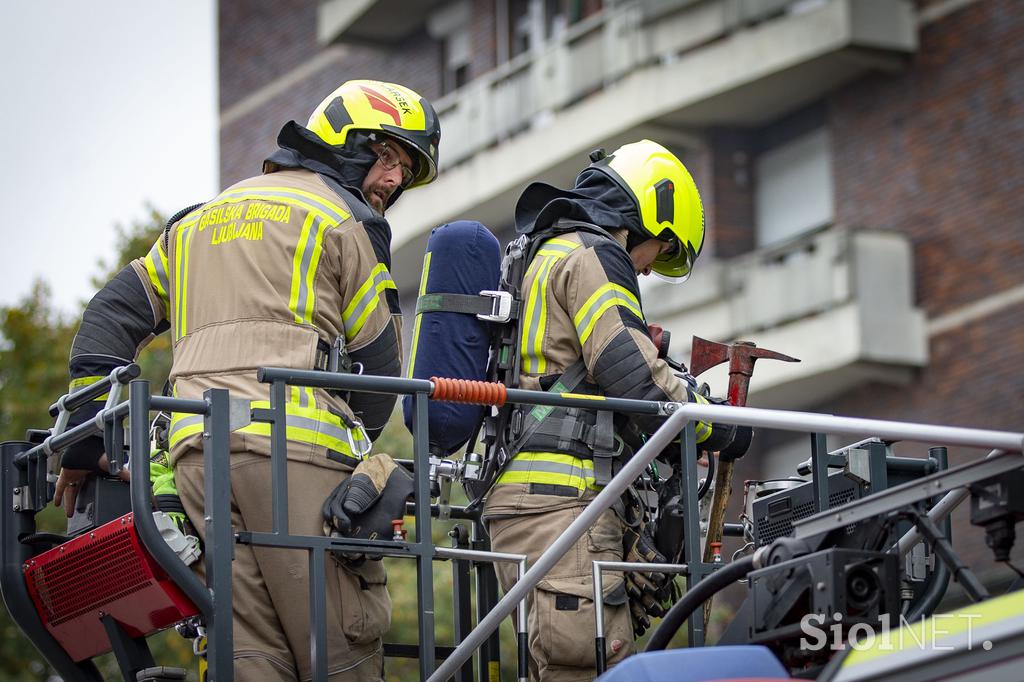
(116, 320)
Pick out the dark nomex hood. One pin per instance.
(595, 199)
(348, 165)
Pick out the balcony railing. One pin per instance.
(588, 56)
(840, 299)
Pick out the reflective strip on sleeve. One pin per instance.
(419, 316)
(307, 257)
(366, 300)
(181, 252)
(156, 267)
(549, 468)
(307, 425)
(702, 429)
(605, 297)
(82, 382)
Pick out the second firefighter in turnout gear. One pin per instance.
(289, 268)
(582, 329)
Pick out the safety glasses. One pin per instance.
(389, 158)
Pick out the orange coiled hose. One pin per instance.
(467, 391)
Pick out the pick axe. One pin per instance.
(741, 357)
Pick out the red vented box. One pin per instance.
(105, 571)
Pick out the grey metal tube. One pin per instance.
(142, 507)
(632, 469)
(940, 511)
(886, 430)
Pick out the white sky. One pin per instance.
(107, 105)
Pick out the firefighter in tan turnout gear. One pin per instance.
(582, 329)
(283, 269)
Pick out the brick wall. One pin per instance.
(260, 41)
(251, 59)
(935, 152)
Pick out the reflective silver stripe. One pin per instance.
(310, 424)
(307, 256)
(528, 465)
(312, 201)
(161, 272)
(369, 297)
(596, 305)
(180, 423)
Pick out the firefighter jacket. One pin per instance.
(581, 299)
(269, 273)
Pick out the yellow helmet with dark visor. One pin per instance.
(377, 107)
(667, 201)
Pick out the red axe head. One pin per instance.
(741, 356)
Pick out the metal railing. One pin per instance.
(25, 491)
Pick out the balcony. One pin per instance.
(839, 299)
(659, 68)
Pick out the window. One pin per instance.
(794, 190)
(450, 24)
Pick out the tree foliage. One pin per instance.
(35, 342)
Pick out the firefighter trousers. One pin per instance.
(270, 586)
(561, 618)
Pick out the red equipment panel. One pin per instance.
(106, 571)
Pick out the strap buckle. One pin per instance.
(501, 307)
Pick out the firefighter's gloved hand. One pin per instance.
(729, 440)
(647, 592)
(364, 504)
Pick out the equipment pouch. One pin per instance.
(563, 605)
(365, 602)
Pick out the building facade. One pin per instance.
(861, 164)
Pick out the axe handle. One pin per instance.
(716, 518)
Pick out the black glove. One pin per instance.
(85, 454)
(729, 440)
(646, 591)
(365, 503)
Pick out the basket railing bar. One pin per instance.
(279, 456)
(140, 403)
(693, 555)
(462, 596)
(220, 545)
(521, 610)
(424, 546)
(599, 567)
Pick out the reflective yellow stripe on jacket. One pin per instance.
(549, 468)
(156, 267)
(536, 313)
(366, 300)
(308, 425)
(605, 297)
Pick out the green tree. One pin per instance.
(35, 341)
